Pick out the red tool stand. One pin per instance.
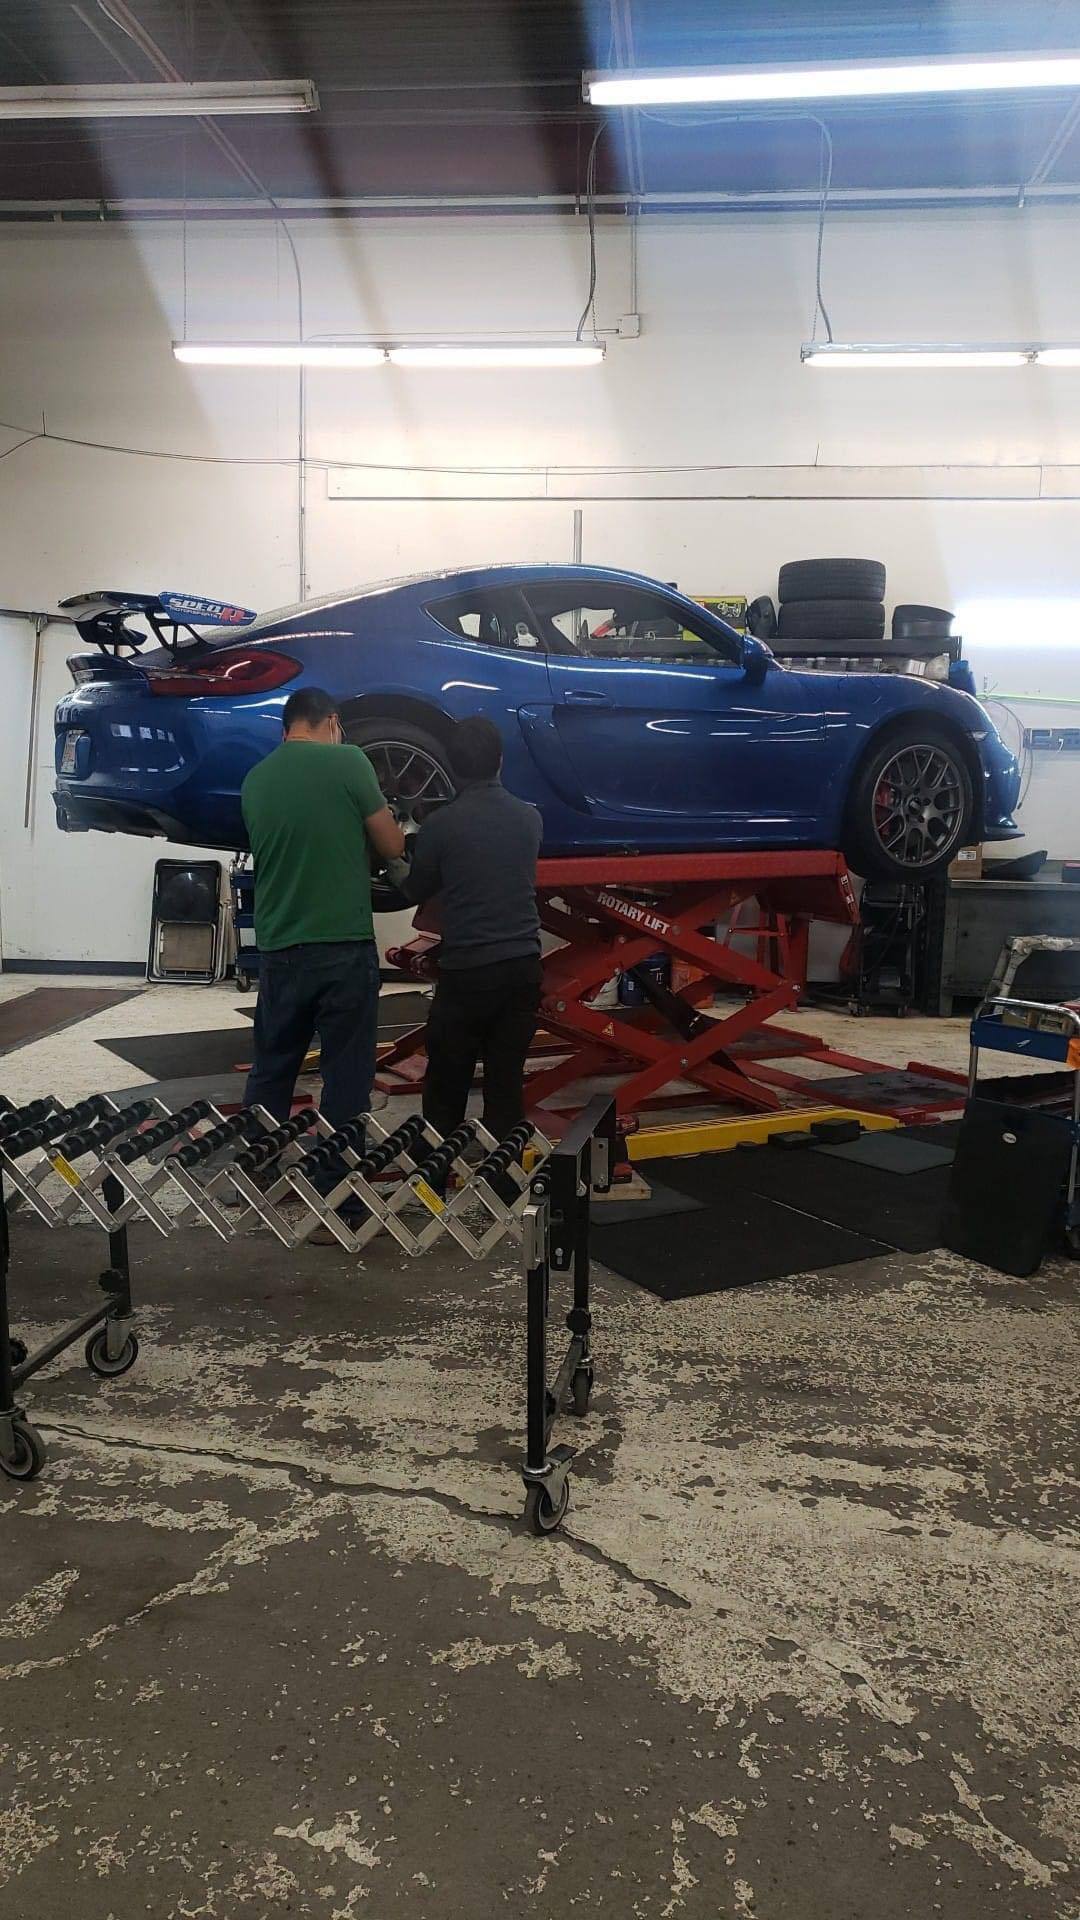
(613, 912)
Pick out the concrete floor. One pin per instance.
(273, 1641)
(76, 1062)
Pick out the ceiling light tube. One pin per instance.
(1057, 356)
(842, 80)
(467, 354)
(283, 353)
(150, 99)
(889, 354)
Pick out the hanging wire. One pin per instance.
(184, 237)
(823, 207)
(590, 214)
(825, 178)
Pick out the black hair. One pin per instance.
(308, 708)
(476, 749)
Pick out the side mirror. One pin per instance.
(756, 660)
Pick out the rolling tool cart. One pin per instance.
(242, 915)
(247, 1172)
(1014, 1182)
(36, 1142)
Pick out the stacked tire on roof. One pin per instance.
(840, 600)
(831, 600)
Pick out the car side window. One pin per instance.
(489, 619)
(621, 623)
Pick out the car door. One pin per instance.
(486, 657)
(664, 727)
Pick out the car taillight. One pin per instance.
(232, 671)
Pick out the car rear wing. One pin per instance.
(172, 618)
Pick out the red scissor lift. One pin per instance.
(613, 913)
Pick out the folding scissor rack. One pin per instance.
(614, 912)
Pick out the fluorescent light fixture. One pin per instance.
(141, 100)
(845, 80)
(1057, 356)
(284, 353)
(463, 354)
(479, 353)
(895, 355)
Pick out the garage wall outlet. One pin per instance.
(628, 326)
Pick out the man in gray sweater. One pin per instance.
(477, 859)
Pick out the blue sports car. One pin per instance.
(633, 718)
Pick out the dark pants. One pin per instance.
(481, 1013)
(329, 990)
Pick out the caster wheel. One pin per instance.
(243, 983)
(18, 1352)
(581, 1388)
(97, 1357)
(541, 1513)
(29, 1456)
(1072, 1243)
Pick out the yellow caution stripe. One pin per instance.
(719, 1136)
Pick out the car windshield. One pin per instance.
(622, 623)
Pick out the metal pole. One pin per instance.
(7, 1384)
(581, 1243)
(40, 623)
(534, 1222)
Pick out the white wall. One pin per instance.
(702, 452)
(73, 897)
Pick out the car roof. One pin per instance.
(461, 580)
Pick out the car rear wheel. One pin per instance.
(911, 805)
(413, 769)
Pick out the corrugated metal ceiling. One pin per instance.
(479, 103)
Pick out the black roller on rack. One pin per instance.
(97, 1137)
(507, 1151)
(251, 1159)
(159, 1135)
(326, 1156)
(349, 1137)
(63, 1120)
(437, 1164)
(14, 1119)
(211, 1142)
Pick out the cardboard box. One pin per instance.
(968, 864)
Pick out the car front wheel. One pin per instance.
(911, 806)
(413, 770)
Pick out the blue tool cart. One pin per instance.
(1013, 1195)
(242, 903)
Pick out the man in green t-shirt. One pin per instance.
(312, 809)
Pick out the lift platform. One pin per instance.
(613, 914)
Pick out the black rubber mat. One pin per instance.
(903, 1214)
(892, 1087)
(30, 1016)
(661, 1202)
(175, 1056)
(223, 1090)
(937, 1133)
(745, 1239)
(892, 1151)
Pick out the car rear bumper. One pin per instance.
(82, 813)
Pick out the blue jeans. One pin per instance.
(327, 989)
